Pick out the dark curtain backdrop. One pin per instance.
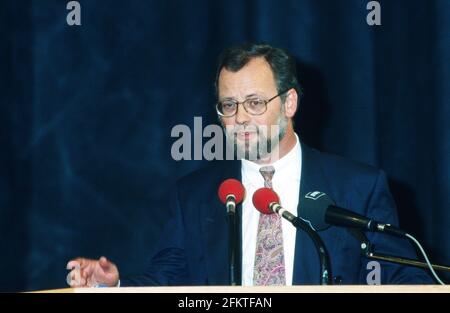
(86, 114)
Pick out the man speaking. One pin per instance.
(257, 88)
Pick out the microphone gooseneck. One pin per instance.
(267, 201)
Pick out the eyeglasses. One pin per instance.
(253, 106)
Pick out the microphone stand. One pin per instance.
(324, 257)
(367, 251)
(232, 243)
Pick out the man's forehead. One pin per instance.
(256, 66)
(255, 76)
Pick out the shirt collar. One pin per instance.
(281, 165)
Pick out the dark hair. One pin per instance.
(283, 65)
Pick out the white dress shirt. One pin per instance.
(286, 183)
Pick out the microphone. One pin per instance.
(231, 192)
(267, 201)
(318, 209)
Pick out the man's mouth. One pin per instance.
(245, 135)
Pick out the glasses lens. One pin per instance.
(255, 106)
(227, 108)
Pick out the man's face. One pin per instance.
(251, 135)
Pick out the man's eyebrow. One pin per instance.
(227, 99)
(246, 97)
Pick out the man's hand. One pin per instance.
(90, 273)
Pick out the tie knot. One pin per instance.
(267, 173)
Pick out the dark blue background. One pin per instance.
(86, 114)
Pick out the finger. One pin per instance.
(69, 279)
(73, 264)
(91, 281)
(73, 279)
(80, 262)
(107, 266)
(87, 271)
(73, 284)
(104, 263)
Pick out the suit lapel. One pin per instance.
(306, 264)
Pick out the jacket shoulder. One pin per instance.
(345, 167)
(350, 183)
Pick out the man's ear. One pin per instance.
(290, 104)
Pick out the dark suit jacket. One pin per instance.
(193, 249)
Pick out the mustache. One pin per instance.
(236, 129)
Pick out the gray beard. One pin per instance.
(263, 147)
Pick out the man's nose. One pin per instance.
(242, 117)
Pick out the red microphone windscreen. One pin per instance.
(231, 186)
(262, 198)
